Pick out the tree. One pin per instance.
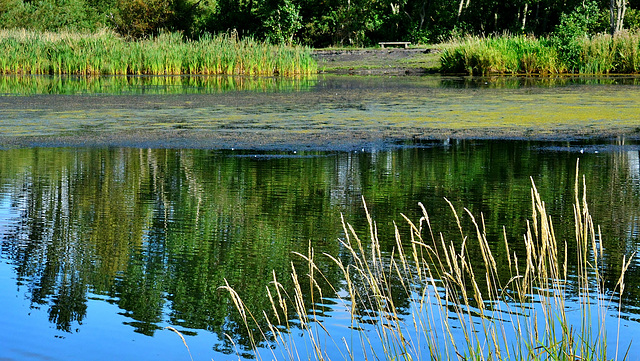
(617, 9)
(281, 20)
(139, 18)
(49, 15)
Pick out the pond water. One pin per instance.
(103, 246)
(328, 113)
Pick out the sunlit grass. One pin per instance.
(464, 303)
(105, 53)
(502, 54)
(598, 54)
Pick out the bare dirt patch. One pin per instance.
(391, 61)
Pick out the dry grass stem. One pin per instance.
(435, 298)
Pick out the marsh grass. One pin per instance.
(502, 55)
(463, 303)
(598, 54)
(105, 53)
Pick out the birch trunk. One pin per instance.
(617, 9)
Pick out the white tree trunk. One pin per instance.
(463, 5)
(617, 8)
(524, 16)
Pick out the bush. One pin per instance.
(50, 15)
(572, 31)
(142, 18)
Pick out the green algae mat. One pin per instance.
(319, 112)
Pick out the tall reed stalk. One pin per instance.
(105, 53)
(462, 303)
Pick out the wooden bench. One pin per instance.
(404, 43)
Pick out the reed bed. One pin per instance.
(598, 54)
(604, 54)
(502, 55)
(105, 53)
(459, 309)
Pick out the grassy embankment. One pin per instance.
(599, 54)
(105, 53)
(463, 303)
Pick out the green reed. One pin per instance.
(502, 55)
(605, 54)
(105, 53)
(598, 54)
(467, 302)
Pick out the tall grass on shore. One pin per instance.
(105, 53)
(501, 55)
(604, 54)
(462, 306)
(598, 54)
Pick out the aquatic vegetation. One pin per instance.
(468, 299)
(598, 54)
(102, 53)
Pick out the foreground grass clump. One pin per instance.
(105, 53)
(598, 54)
(463, 303)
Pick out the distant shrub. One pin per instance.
(49, 15)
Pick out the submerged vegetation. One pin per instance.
(468, 299)
(28, 52)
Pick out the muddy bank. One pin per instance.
(390, 61)
(306, 141)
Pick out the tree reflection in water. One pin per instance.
(156, 232)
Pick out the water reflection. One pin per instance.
(155, 232)
(129, 85)
(183, 85)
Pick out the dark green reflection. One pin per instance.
(29, 85)
(158, 231)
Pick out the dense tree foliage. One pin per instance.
(322, 22)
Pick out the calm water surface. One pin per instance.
(103, 247)
(326, 112)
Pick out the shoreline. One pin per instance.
(332, 113)
(387, 61)
(348, 141)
